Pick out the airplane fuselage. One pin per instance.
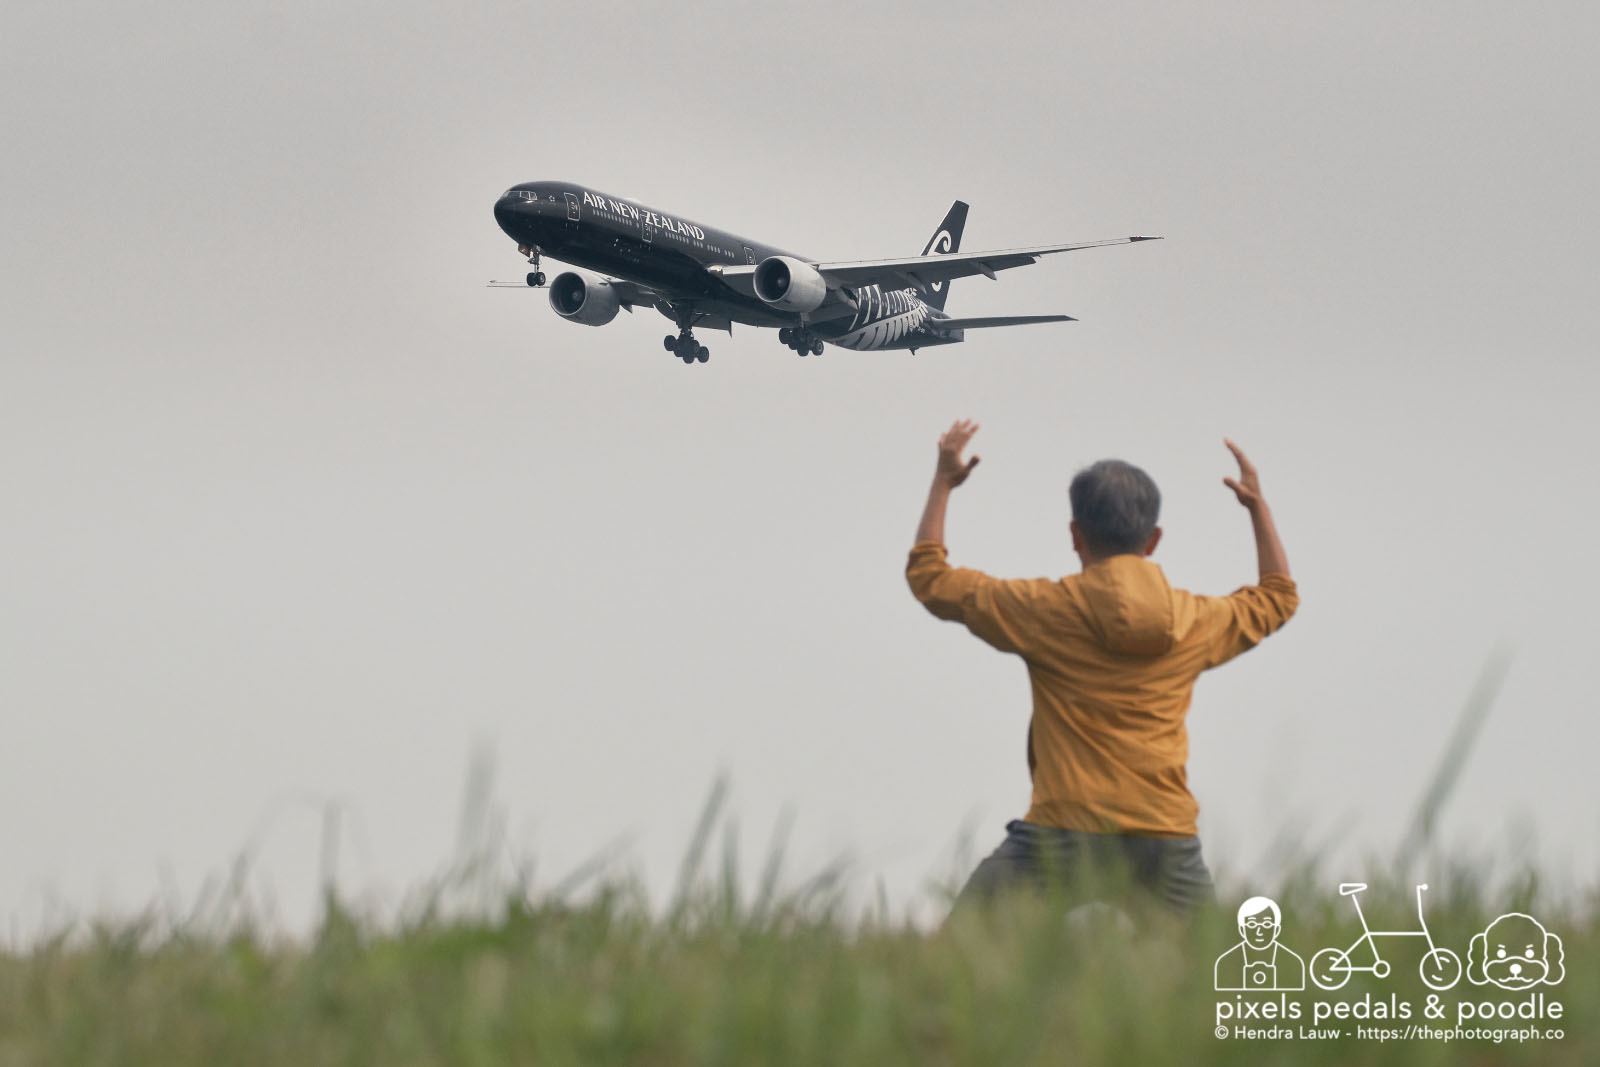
(626, 239)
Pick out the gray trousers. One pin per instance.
(1085, 866)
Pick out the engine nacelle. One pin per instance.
(585, 298)
(789, 284)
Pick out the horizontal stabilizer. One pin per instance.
(996, 320)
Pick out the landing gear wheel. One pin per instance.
(536, 278)
(801, 341)
(686, 348)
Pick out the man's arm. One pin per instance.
(949, 473)
(1245, 617)
(1270, 556)
(989, 607)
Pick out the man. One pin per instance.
(1112, 655)
(1259, 961)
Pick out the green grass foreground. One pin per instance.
(782, 977)
(721, 980)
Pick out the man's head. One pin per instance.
(1114, 510)
(1259, 920)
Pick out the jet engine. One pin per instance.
(788, 284)
(578, 296)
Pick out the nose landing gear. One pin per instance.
(535, 276)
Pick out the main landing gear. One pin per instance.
(535, 276)
(685, 347)
(801, 340)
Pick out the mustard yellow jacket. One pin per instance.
(1112, 655)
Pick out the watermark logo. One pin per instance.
(1267, 997)
(1515, 952)
(1259, 961)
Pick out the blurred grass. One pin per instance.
(725, 977)
(483, 971)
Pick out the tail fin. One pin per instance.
(946, 239)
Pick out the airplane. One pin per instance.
(698, 276)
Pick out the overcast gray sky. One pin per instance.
(295, 508)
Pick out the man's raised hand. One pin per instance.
(1247, 487)
(1270, 556)
(951, 470)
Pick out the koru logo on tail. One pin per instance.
(941, 245)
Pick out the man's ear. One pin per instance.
(1155, 538)
(1077, 538)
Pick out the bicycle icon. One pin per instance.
(1331, 968)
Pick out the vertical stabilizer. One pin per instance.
(946, 239)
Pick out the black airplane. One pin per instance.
(697, 276)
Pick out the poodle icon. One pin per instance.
(1515, 952)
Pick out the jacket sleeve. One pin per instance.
(1241, 620)
(997, 610)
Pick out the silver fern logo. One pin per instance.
(883, 319)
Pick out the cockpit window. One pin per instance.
(519, 194)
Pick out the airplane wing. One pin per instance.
(995, 320)
(913, 271)
(931, 270)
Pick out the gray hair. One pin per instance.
(1256, 905)
(1115, 505)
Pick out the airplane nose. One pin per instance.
(505, 211)
(516, 214)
